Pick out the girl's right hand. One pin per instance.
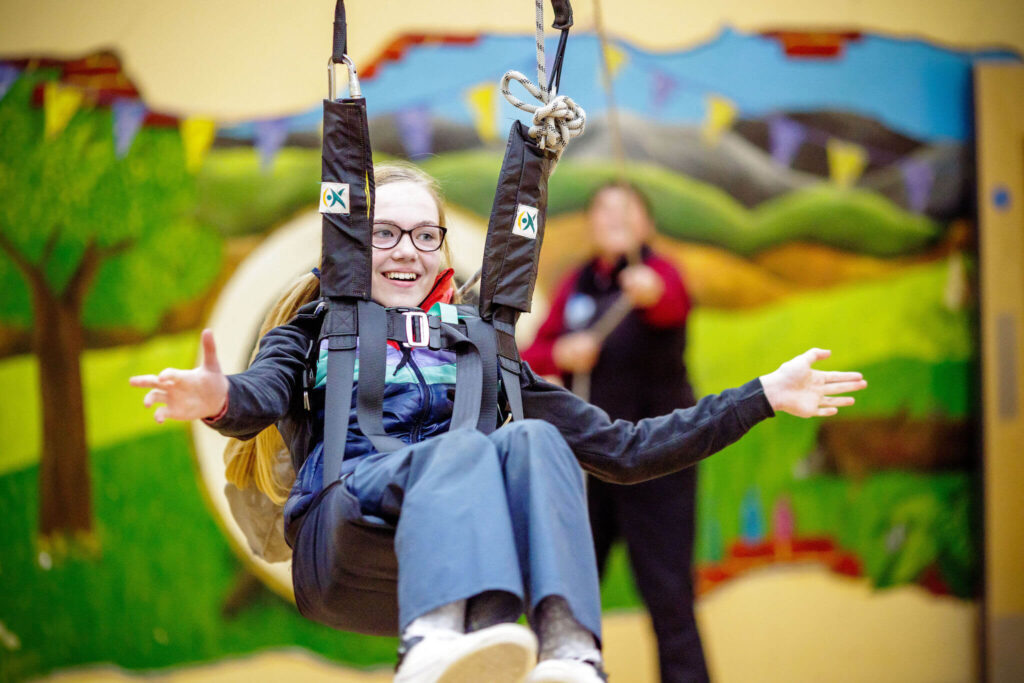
(187, 394)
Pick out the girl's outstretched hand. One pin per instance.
(187, 394)
(798, 389)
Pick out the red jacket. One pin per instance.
(669, 311)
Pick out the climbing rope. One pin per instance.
(557, 119)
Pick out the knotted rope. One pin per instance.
(557, 119)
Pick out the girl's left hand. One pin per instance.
(798, 389)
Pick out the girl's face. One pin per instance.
(404, 275)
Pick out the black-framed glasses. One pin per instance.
(425, 238)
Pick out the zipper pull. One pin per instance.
(406, 358)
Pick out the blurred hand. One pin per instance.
(187, 394)
(641, 285)
(576, 352)
(798, 389)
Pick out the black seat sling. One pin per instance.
(360, 595)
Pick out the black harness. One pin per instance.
(483, 338)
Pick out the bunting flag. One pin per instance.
(846, 162)
(481, 101)
(663, 86)
(128, 118)
(615, 58)
(416, 130)
(60, 103)
(196, 135)
(270, 137)
(751, 517)
(8, 75)
(721, 113)
(786, 136)
(918, 178)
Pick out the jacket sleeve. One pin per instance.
(268, 390)
(627, 453)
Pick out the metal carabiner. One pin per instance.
(353, 78)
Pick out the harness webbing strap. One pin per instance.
(482, 335)
(469, 377)
(372, 369)
(340, 328)
(513, 392)
(510, 363)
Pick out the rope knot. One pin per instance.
(556, 121)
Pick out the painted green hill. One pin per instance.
(850, 219)
(239, 197)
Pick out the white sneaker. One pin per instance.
(499, 654)
(568, 671)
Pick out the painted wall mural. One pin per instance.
(810, 191)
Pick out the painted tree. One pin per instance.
(88, 240)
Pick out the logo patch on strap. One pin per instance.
(334, 198)
(527, 222)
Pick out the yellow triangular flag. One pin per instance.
(616, 58)
(481, 101)
(846, 161)
(60, 102)
(721, 112)
(197, 135)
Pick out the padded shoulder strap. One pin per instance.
(340, 328)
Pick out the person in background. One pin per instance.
(637, 371)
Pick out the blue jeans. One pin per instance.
(476, 513)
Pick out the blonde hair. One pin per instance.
(255, 462)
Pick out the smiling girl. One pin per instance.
(486, 526)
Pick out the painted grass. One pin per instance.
(113, 410)
(918, 358)
(154, 596)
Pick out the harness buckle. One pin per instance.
(417, 329)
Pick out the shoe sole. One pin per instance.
(498, 663)
(504, 654)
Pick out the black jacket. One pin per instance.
(270, 391)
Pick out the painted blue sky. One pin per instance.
(911, 86)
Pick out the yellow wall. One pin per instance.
(244, 59)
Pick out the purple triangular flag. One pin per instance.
(128, 118)
(270, 137)
(918, 177)
(8, 74)
(416, 130)
(662, 88)
(786, 137)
